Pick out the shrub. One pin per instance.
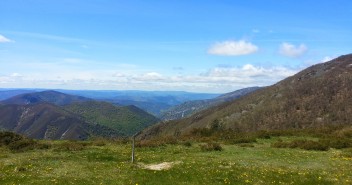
(7, 138)
(262, 134)
(279, 144)
(22, 145)
(202, 132)
(244, 140)
(346, 132)
(18, 143)
(99, 142)
(246, 145)
(337, 143)
(156, 142)
(216, 125)
(123, 140)
(313, 145)
(187, 144)
(71, 146)
(302, 144)
(212, 146)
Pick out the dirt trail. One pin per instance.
(159, 167)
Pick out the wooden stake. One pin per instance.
(133, 140)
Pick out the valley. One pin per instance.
(175, 92)
(297, 131)
(51, 114)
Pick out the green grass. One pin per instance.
(235, 164)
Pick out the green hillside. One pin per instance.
(127, 119)
(313, 98)
(48, 121)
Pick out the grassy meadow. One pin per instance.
(108, 162)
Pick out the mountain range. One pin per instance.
(154, 102)
(315, 97)
(53, 97)
(55, 115)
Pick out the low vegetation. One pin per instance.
(18, 143)
(211, 146)
(194, 161)
(302, 144)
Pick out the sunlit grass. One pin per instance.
(110, 164)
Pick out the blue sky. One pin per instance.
(189, 45)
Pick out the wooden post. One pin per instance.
(133, 140)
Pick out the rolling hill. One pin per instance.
(127, 119)
(39, 114)
(315, 97)
(47, 121)
(191, 107)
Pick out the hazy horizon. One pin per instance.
(194, 46)
(107, 90)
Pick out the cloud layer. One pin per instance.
(291, 50)
(3, 39)
(218, 79)
(233, 48)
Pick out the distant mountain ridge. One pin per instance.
(53, 97)
(191, 107)
(153, 102)
(55, 115)
(315, 97)
(8, 93)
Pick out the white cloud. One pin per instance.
(250, 73)
(217, 79)
(326, 59)
(119, 75)
(318, 61)
(148, 77)
(291, 50)
(16, 75)
(3, 39)
(233, 48)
